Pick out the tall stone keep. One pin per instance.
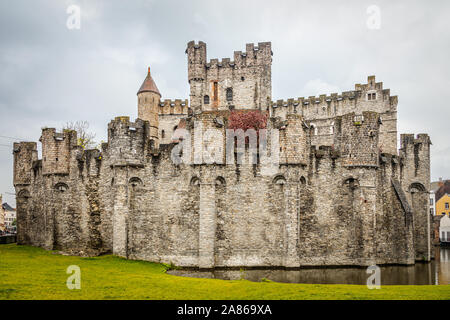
(148, 106)
(242, 83)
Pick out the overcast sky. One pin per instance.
(50, 74)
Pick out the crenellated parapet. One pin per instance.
(25, 153)
(335, 104)
(242, 83)
(253, 55)
(128, 142)
(173, 107)
(56, 148)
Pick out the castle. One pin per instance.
(339, 194)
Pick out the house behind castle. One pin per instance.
(163, 188)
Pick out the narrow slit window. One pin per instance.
(215, 91)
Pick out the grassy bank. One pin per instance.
(33, 273)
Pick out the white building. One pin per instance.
(432, 203)
(10, 217)
(444, 229)
(2, 216)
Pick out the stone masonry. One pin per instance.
(163, 188)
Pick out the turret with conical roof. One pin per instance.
(148, 106)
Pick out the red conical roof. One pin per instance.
(149, 85)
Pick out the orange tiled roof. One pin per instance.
(149, 85)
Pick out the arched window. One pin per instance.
(351, 183)
(220, 182)
(61, 187)
(416, 187)
(163, 134)
(280, 180)
(206, 99)
(313, 129)
(135, 181)
(23, 194)
(302, 180)
(229, 94)
(195, 181)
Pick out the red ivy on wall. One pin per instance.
(247, 120)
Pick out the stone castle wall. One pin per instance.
(340, 194)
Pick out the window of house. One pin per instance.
(229, 94)
(206, 99)
(431, 201)
(431, 211)
(374, 96)
(446, 205)
(369, 96)
(215, 91)
(163, 134)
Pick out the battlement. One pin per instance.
(56, 147)
(25, 153)
(306, 105)
(370, 85)
(409, 139)
(323, 98)
(123, 125)
(128, 141)
(176, 106)
(194, 45)
(312, 100)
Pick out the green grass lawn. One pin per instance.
(33, 273)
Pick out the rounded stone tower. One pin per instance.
(148, 106)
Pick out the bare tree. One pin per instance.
(84, 136)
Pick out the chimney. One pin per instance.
(440, 183)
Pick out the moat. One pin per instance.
(434, 273)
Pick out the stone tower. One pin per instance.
(148, 105)
(196, 54)
(242, 83)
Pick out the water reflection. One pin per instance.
(442, 270)
(436, 272)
